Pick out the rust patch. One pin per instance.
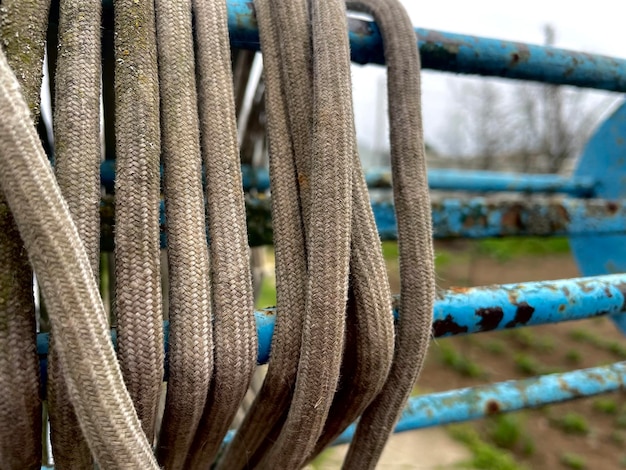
(490, 318)
(562, 213)
(608, 292)
(512, 219)
(521, 55)
(562, 308)
(523, 314)
(447, 325)
(575, 392)
(492, 407)
(474, 221)
(611, 207)
(459, 289)
(585, 287)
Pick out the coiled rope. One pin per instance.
(333, 355)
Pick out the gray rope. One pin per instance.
(137, 194)
(333, 353)
(412, 205)
(190, 336)
(234, 330)
(23, 26)
(77, 167)
(94, 381)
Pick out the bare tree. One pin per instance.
(540, 126)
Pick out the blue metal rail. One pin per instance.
(489, 308)
(477, 402)
(463, 54)
(438, 179)
(471, 310)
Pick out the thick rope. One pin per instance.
(412, 205)
(23, 26)
(234, 330)
(77, 167)
(328, 239)
(58, 257)
(190, 336)
(137, 189)
(272, 403)
(369, 350)
(324, 372)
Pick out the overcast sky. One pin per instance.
(595, 27)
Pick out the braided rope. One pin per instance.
(190, 339)
(137, 189)
(234, 330)
(333, 353)
(77, 167)
(94, 381)
(412, 205)
(23, 26)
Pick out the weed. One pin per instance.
(584, 336)
(450, 357)
(616, 349)
(505, 431)
(573, 461)
(572, 423)
(605, 405)
(527, 364)
(573, 357)
(494, 346)
(484, 455)
(529, 339)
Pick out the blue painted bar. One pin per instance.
(464, 310)
(476, 402)
(452, 218)
(443, 179)
(463, 54)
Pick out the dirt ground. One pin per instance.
(587, 433)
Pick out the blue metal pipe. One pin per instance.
(452, 218)
(464, 310)
(465, 404)
(463, 54)
(443, 179)
(476, 402)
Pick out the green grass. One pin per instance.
(614, 347)
(605, 405)
(529, 339)
(267, 295)
(458, 362)
(573, 461)
(573, 356)
(504, 249)
(494, 346)
(572, 423)
(528, 365)
(485, 456)
(508, 431)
